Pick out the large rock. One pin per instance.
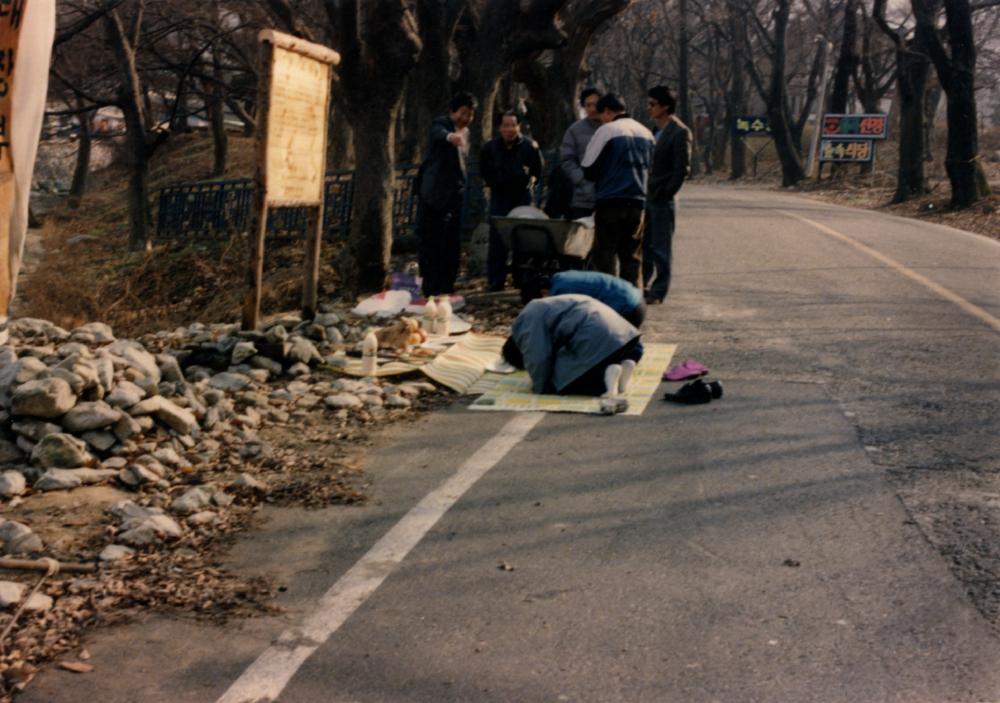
(86, 417)
(125, 395)
(126, 427)
(17, 538)
(35, 430)
(150, 531)
(170, 414)
(9, 453)
(192, 501)
(114, 552)
(304, 351)
(230, 382)
(76, 383)
(60, 451)
(58, 480)
(31, 329)
(136, 356)
(93, 333)
(11, 593)
(12, 484)
(48, 397)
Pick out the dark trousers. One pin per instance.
(657, 247)
(496, 253)
(618, 236)
(575, 213)
(439, 234)
(592, 382)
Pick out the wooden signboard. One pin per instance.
(11, 14)
(294, 109)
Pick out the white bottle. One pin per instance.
(444, 317)
(430, 316)
(369, 355)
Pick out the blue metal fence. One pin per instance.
(214, 209)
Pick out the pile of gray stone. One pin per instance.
(82, 407)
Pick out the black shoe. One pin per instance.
(653, 300)
(716, 388)
(694, 393)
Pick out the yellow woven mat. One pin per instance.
(513, 392)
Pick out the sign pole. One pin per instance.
(10, 32)
(820, 107)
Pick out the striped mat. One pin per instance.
(458, 368)
(513, 392)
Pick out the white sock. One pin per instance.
(612, 376)
(628, 366)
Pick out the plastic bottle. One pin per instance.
(444, 317)
(369, 355)
(430, 316)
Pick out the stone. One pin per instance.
(115, 462)
(60, 450)
(303, 351)
(58, 480)
(47, 398)
(18, 538)
(12, 483)
(327, 319)
(397, 401)
(127, 426)
(10, 453)
(205, 517)
(136, 356)
(372, 400)
(342, 400)
(38, 603)
(86, 417)
(101, 441)
(125, 395)
(105, 371)
(299, 370)
(26, 445)
(170, 368)
(167, 412)
(222, 500)
(191, 502)
(166, 455)
(151, 530)
(243, 351)
(11, 593)
(35, 430)
(273, 367)
(114, 552)
(229, 382)
(334, 335)
(32, 328)
(77, 383)
(93, 332)
(153, 464)
(247, 481)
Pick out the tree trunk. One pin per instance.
(81, 172)
(132, 102)
(737, 102)
(957, 76)
(217, 116)
(777, 109)
(912, 69)
(684, 82)
(847, 59)
(932, 98)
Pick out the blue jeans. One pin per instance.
(657, 245)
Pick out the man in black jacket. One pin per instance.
(509, 165)
(441, 189)
(671, 165)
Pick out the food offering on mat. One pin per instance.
(401, 336)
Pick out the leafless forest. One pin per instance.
(160, 67)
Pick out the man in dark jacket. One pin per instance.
(617, 159)
(671, 165)
(441, 188)
(509, 165)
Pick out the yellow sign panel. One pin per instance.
(296, 128)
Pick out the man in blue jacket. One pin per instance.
(617, 159)
(441, 188)
(619, 295)
(509, 165)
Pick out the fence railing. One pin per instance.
(215, 209)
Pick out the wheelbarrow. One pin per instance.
(543, 246)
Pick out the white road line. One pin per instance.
(936, 288)
(266, 678)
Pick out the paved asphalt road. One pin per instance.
(755, 549)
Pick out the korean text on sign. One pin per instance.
(849, 150)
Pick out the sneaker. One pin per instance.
(694, 393)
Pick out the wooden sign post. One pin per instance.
(10, 33)
(293, 111)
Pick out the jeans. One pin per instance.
(657, 245)
(440, 246)
(618, 235)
